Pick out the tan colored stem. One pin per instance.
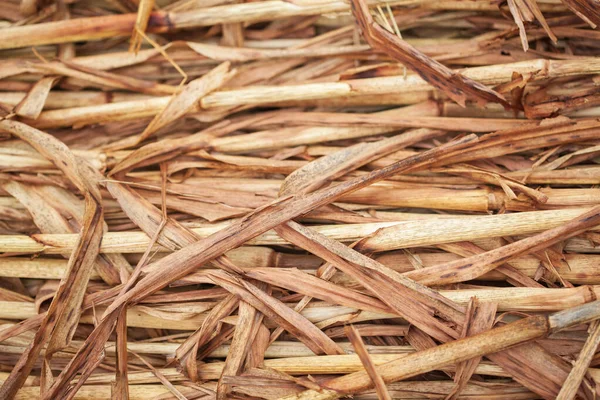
(95, 28)
(191, 317)
(579, 268)
(399, 235)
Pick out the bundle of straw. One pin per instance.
(311, 199)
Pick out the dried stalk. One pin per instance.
(95, 28)
(391, 235)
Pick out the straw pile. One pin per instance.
(309, 199)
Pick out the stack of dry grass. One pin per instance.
(299, 200)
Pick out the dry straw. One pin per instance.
(299, 200)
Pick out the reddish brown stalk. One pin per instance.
(359, 347)
(528, 10)
(586, 10)
(480, 318)
(293, 322)
(249, 323)
(121, 386)
(187, 352)
(309, 285)
(62, 318)
(453, 84)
